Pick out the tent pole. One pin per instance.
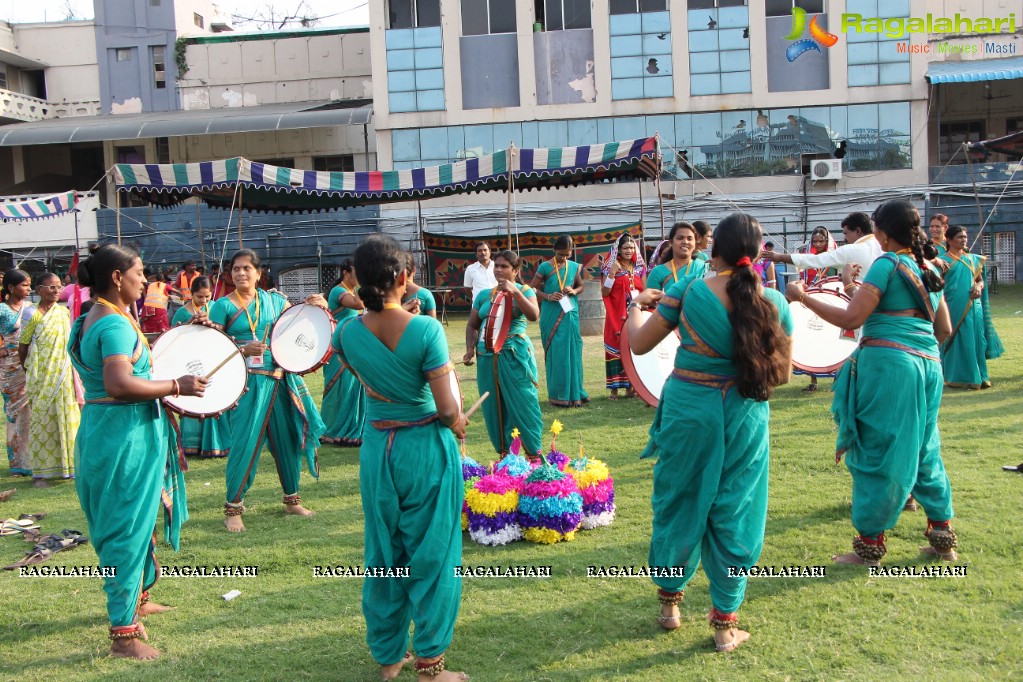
(198, 221)
(241, 189)
(511, 188)
(117, 210)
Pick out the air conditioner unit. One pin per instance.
(826, 169)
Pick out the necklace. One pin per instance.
(726, 273)
(107, 304)
(392, 306)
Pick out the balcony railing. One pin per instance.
(20, 107)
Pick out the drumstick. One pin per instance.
(237, 351)
(476, 405)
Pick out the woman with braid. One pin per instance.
(710, 432)
(887, 396)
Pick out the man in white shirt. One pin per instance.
(861, 249)
(480, 275)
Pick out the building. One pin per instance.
(742, 93)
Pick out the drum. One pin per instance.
(649, 371)
(300, 340)
(832, 284)
(819, 347)
(456, 390)
(498, 322)
(198, 350)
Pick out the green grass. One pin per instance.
(288, 625)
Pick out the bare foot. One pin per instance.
(670, 618)
(729, 640)
(234, 524)
(852, 558)
(149, 608)
(446, 676)
(40, 483)
(298, 510)
(950, 555)
(614, 394)
(132, 648)
(390, 672)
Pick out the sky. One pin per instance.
(331, 12)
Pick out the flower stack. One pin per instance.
(550, 506)
(514, 464)
(472, 471)
(492, 503)
(597, 489)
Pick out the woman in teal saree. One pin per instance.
(126, 459)
(344, 399)
(973, 341)
(888, 393)
(410, 472)
(557, 283)
(201, 437)
(710, 431)
(277, 409)
(510, 376)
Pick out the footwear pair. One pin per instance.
(49, 546)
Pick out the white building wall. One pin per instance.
(69, 50)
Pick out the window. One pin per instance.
(154, 3)
(952, 135)
(159, 52)
(343, 163)
(123, 54)
(783, 8)
(199, 21)
(636, 6)
(413, 13)
(162, 150)
(875, 58)
(3, 76)
(480, 17)
(1012, 125)
(558, 15)
(719, 55)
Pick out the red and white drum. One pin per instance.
(819, 347)
(300, 340)
(832, 284)
(649, 371)
(198, 350)
(498, 322)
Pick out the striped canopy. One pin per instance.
(262, 187)
(37, 207)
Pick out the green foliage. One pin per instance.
(289, 625)
(180, 46)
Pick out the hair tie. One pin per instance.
(743, 262)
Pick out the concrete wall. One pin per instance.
(69, 50)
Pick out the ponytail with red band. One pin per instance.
(743, 262)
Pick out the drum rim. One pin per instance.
(326, 356)
(630, 366)
(502, 336)
(210, 415)
(457, 385)
(825, 369)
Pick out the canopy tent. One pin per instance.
(1011, 145)
(254, 186)
(37, 207)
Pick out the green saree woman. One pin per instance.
(344, 399)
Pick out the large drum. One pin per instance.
(819, 347)
(498, 322)
(300, 340)
(649, 371)
(833, 283)
(199, 351)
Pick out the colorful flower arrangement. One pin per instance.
(472, 471)
(597, 488)
(493, 516)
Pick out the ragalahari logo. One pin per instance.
(819, 37)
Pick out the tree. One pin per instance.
(271, 17)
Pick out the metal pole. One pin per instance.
(117, 210)
(198, 220)
(241, 189)
(511, 188)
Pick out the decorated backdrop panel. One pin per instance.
(449, 255)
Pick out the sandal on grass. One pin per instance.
(812, 388)
(1017, 469)
(16, 526)
(33, 517)
(7, 494)
(50, 545)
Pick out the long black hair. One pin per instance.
(900, 220)
(98, 269)
(680, 225)
(379, 260)
(761, 345)
(12, 278)
(346, 267)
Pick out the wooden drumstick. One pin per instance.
(476, 405)
(226, 360)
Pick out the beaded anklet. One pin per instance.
(134, 631)
(144, 598)
(941, 536)
(292, 500)
(430, 668)
(666, 597)
(870, 550)
(233, 509)
(723, 621)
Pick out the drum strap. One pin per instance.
(234, 318)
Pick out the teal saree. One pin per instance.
(344, 400)
(126, 466)
(711, 445)
(974, 341)
(410, 478)
(561, 338)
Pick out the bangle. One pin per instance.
(848, 287)
(802, 297)
(177, 389)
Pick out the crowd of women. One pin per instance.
(387, 389)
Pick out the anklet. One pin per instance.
(666, 597)
(126, 631)
(292, 500)
(432, 669)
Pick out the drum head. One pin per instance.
(455, 389)
(300, 340)
(498, 322)
(198, 350)
(819, 347)
(649, 371)
(833, 284)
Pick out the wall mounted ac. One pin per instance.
(826, 169)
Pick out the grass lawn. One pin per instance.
(289, 625)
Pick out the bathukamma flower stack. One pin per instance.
(597, 489)
(472, 471)
(492, 503)
(550, 506)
